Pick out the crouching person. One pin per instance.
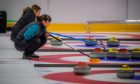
(32, 37)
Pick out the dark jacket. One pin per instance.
(26, 18)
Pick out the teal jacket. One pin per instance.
(33, 30)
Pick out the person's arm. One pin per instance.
(31, 32)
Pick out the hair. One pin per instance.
(35, 7)
(44, 17)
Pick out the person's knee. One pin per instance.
(43, 40)
(19, 45)
(13, 37)
(36, 42)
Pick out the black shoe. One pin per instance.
(27, 56)
(35, 56)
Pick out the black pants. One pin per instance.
(29, 47)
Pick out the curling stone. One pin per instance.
(82, 69)
(111, 54)
(135, 54)
(123, 54)
(55, 42)
(97, 53)
(113, 42)
(94, 61)
(125, 72)
(91, 41)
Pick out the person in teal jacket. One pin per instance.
(32, 37)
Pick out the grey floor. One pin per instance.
(13, 69)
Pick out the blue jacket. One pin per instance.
(32, 30)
